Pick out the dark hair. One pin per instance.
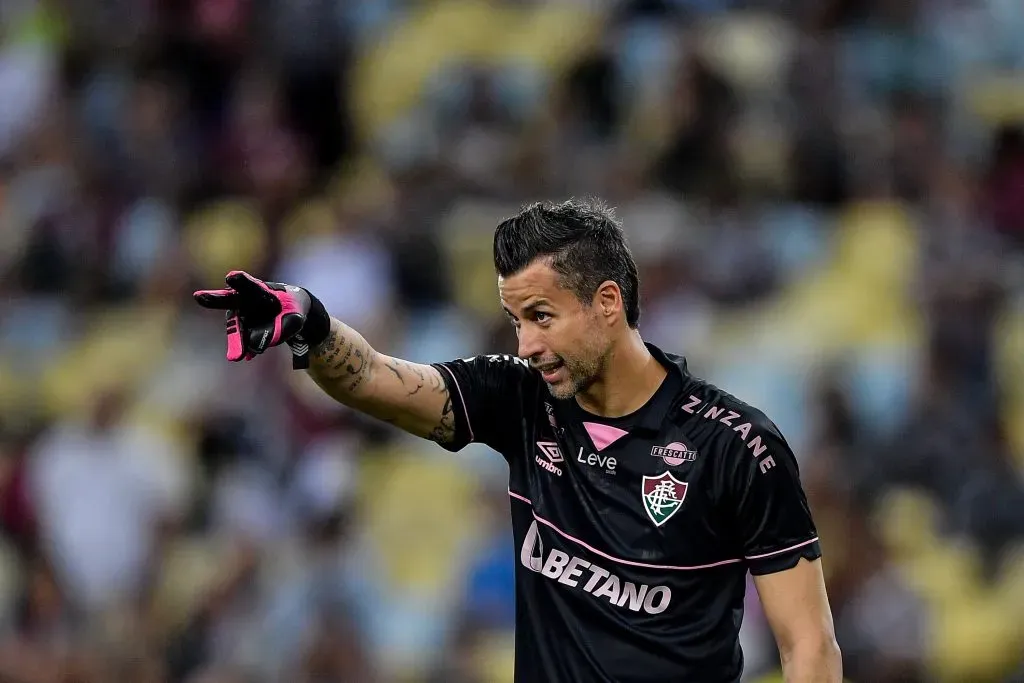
(584, 241)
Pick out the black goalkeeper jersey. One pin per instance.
(634, 534)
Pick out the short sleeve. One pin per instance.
(487, 395)
(773, 520)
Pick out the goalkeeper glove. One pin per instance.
(264, 314)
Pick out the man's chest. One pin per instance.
(644, 497)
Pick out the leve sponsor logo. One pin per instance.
(578, 573)
(597, 460)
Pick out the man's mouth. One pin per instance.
(549, 371)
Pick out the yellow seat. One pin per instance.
(749, 48)
(313, 218)
(1010, 337)
(1013, 422)
(191, 567)
(860, 297)
(361, 187)
(1009, 588)
(947, 575)
(1009, 343)
(907, 521)
(978, 640)
(44, 24)
(10, 576)
(877, 242)
(389, 79)
(120, 349)
(418, 511)
(468, 241)
(17, 391)
(495, 658)
(876, 257)
(997, 98)
(226, 235)
(550, 36)
(825, 311)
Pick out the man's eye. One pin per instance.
(541, 316)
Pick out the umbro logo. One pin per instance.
(550, 451)
(551, 455)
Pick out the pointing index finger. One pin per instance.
(217, 299)
(250, 287)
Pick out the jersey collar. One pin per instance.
(654, 414)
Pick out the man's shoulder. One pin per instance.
(732, 420)
(714, 397)
(492, 371)
(490, 395)
(505, 360)
(492, 363)
(699, 397)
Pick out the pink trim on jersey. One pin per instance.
(779, 552)
(606, 556)
(465, 408)
(515, 495)
(603, 435)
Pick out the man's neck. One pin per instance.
(631, 377)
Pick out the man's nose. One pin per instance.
(529, 343)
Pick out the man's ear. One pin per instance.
(608, 301)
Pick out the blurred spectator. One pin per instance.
(882, 624)
(103, 490)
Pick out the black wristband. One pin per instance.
(318, 323)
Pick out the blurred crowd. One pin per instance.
(826, 198)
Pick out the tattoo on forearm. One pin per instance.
(416, 379)
(393, 367)
(360, 368)
(345, 360)
(411, 376)
(445, 429)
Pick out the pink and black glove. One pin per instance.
(265, 314)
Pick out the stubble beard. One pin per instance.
(580, 376)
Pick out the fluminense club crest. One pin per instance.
(663, 496)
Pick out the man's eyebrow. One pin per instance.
(535, 304)
(528, 307)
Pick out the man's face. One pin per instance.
(562, 338)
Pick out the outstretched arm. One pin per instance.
(411, 396)
(260, 315)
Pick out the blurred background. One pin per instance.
(826, 198)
